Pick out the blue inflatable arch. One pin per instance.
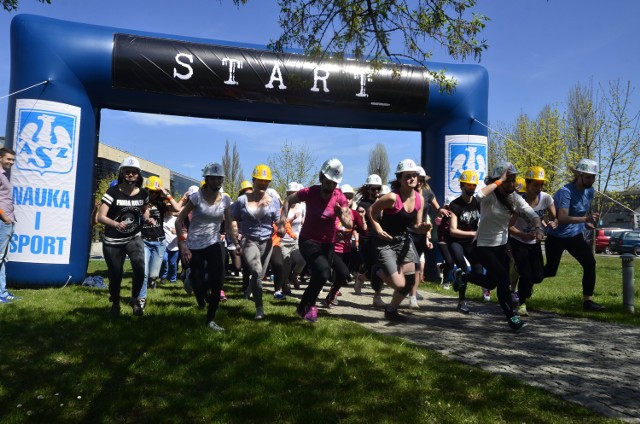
(74, 70)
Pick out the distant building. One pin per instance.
(109, 159)
(614, 215)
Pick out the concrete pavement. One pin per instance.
(591, 363)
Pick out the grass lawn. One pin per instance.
(63, 359)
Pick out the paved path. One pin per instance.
(591, 363)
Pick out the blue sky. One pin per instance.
(538, 51)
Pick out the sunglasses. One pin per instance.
(375, 188)
(410, 176)
(130, 171)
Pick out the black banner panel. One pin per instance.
(202, 70)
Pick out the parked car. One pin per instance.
(602, 238)
(613, 242)
(628, 242)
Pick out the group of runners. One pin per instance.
(337, 234)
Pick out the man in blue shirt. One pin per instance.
(573, 204)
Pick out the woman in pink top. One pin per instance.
(391, 216)
(325, 202)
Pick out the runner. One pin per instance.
(202, 248)
(573, 203)
(123, 210)
(325, 202)
(391, 216)
(526, 250)
(254, 214)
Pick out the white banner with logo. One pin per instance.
(43, 178)
(462, 153)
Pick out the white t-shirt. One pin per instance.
(170, 237)
(296, 224)
(493, 227)
(204, 229)
(523, 224)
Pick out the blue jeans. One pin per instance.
(153, 253)
(170, 265)
(6, 231)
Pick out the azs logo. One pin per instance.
(466, 156)
(46, 141)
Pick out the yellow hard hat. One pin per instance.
(154, 183)
(245, 185)
(261, 172)
(469, 177)
(535, 173)
(521, 185)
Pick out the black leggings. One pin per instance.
(579, 249)
(530, 266)
(466, 249)
(114, 257)
(277, 268)
(318, 257)
(340, 273)
(207, 274)
(496, 262)
(447, 260)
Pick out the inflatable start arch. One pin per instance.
(53, 126)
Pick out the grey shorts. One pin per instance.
(393, 253)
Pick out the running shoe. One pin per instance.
(326, 303)
(152, 284)
(591, 306)
(446, 286)
(357, 285)
(115, 309)
(11, 297)
(458, 282)
(143, 302)
(215, 327)
(516, 323)
(312, 314)
(378, 302)
(5, 300)
(486, 294)
(137, 308)
(392, 314)
(413, 302)
(259, 313)
(286, 290)
(279, 295)
(419, 296)
(522, 310)
(463, 307)
(223, 297)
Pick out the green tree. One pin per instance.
(232, 170)
(292, 163)
(366, 28)
(379, 162)
(11, 5)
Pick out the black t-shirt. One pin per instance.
(155, 232)
(366, 204)
(123, 208)
(468, 215)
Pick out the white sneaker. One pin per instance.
(259, 313)
(413, 302)
(446, 286)
(378, 302)
(486, 294)
(215, 327)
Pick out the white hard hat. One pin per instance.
(407, 165)
(292, 186)
(373, 179)
(212, 170)
(422, 172)
(384, 190)
(499, 169)
(332, 169)
(130, 162)
(587, 166)
(192, 189)
(300, 186)
(346, 188)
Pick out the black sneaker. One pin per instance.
(394, 315)
(463, 307)
(137, 308)
(152, 284)
(516, 323)
(457, 282)
(115, 309)
(591, 306)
